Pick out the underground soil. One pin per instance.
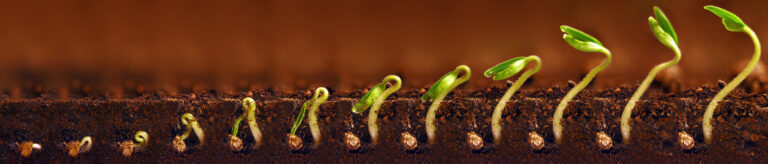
(739, 122)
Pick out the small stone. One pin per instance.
(179, 145)
(721, 83)
(475, 141)
(408, 141)
(536, 141)
(604, 141)
(571, 83)
(307, 93)
(351, 141)
(294, 142)
(422, 91)
(235, 143)
(549, 90)
(686, 141)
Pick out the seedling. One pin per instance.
(437, 93)
(249, 108)
(77, 147)
(373, 99)
(27, 147)
(734, 24)
(188, 120)
(664, 32)
(295, 143)
(503, 71)
(128, 147)
(586, 43)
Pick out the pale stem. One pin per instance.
(495, 125)
(373, 128)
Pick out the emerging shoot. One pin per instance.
(77, 147)
(586, 43)
(294, 142)
(249, 108)
(188, 120)
(27, 147)
(664, 32)
(437, 93)
(128, 147)
(373, 99)
(503, 71)
(734, 24)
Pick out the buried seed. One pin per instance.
(351, 141)
(76, 147)
(294, 142)
(235, 143)
(179, 145)
(27, 147)
(686, 141)
(535, 140)
(475, 141)
(408, 141)
(604, 141)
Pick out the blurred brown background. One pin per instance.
(348, 44)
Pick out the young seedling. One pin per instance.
(503, 71)
(77, 147)
(294, 142)
(249, 108)
(27, 147)
(373, 99)
(188, 120)
(583, 42)
(664, 32)
(127, 147)
(437, 93)
(734, 24)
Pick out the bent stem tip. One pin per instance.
(437, 93)
(503, 71)
(321, 94)
(373, 128)
(192, 125)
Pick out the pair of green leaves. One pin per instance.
(507, 68)
(581, 41)
(377, 91)
(730, 21)
(447, 83)
(662, 29)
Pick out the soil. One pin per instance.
(740, 134)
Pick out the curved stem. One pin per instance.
(707, 126)
(373, 129)
(627, 113)
(429, 121)
(189, 120)
(141, 138)
(496, 117)
(316, 102)
(85, 144)
(250, 105)
(557, 128)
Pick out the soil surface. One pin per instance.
(740, 134)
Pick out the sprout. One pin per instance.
(76, 147)
(294, 141)
(437, 93)
(583, 42)
(27, 147)
(373, 99)
(249, 106)
(503, 71)
(189, 120)
(128, 147)
(664, 32)
(732, 23)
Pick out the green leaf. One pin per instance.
(663, 21)
(507, 68)
(663, 37)
(368, 98)
(440, 86)
(730, 20)
(300, 117)
(580, 40)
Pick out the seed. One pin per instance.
(73, 148)
(26, 148)
(235, 143)
(604, 141)
(475, 141)
(126, 148)
(351, 141)
(535, 140)
(409, 142)
(685, 140)
(294, 142)
(179, 145)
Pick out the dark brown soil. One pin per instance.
(740, 134)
